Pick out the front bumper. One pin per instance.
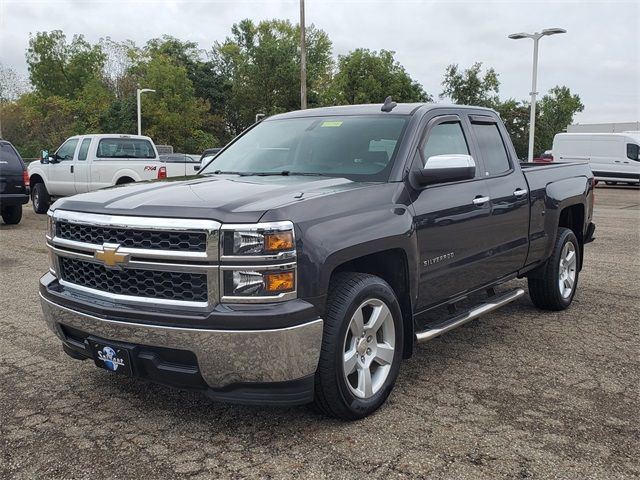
(274, 366)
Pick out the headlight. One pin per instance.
(266, 239)
(258, 262)
(255, 283)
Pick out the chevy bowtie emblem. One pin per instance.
(110, 257)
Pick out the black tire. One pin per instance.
(611, 183)
(12, 215)
(544, 283)
(124, 181)
(40, 198)
(333, 395)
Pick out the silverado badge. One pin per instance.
(109, 255)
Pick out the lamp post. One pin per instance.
(139, 93)
(303, 60)
(536, 38)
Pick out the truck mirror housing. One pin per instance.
(44, 156)
(445, 168)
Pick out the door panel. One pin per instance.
(509, 220)
(82, 167)
(61, 173)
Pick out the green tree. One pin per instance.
(470, 86)
(58, 67)
(555, 112)
(260, 68)
(515, 116)
(365, 76)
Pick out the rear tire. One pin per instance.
(12, 215)
(361, 346)
(40, 198)
(553, 285)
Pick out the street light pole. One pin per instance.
(303, 60)
(534, 78)
(139, 93)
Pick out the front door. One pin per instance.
(451, 220)
(61, 173)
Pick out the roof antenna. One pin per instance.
(389, 104)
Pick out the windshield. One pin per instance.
(357, 147)
(125, 148)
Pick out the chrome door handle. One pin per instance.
(480, 200)
(520, 192)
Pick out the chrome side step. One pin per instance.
(490, 305)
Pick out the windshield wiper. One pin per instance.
(286, 173)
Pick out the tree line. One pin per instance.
(204, 98)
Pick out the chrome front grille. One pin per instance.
(162, 262)
(183, 286)
(147, 239)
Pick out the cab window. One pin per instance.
(445, 139)
(84, 149)
(492, 148)
(66, 151)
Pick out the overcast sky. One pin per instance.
(599, 57)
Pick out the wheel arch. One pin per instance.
(392, 266)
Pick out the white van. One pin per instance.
(614, 157)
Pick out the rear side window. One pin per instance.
(84, 149)
(9, 158)
(125, 148)
(492, 149)
(445, 139)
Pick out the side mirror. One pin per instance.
(445, 168)
(44, 156)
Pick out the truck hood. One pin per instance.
(226, 198)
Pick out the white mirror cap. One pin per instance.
(450, 161)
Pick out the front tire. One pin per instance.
(361, 347)
(12, 215)
(40, 198)
(553, 285)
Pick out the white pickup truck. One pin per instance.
(89, 162)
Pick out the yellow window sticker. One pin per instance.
(331, 124)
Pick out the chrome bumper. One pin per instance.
(224, 357)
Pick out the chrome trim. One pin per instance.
(210, 228)
(489, 306)
(280, 256)
(224, 356)
(481, 200)
(520, 192)
(256, 227)
(128, 299)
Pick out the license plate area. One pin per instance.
(112, 356)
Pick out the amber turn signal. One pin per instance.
(280, 282)
(278, 241)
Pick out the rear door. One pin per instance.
(60, 174)
(11, 170)
(451, 219)
(82, 166)
(509, 219)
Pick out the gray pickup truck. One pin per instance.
(306, 259)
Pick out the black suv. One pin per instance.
(14, 181)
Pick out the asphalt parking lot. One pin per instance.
(519, 394)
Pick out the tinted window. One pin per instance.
(492, 148)
(445, 139)
(125, 148)
(358, 147)
(84, 149)
(66, 151)
(633, 151)
(9, 158)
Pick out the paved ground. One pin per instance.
(519, 394)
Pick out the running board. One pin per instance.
(490, 305)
